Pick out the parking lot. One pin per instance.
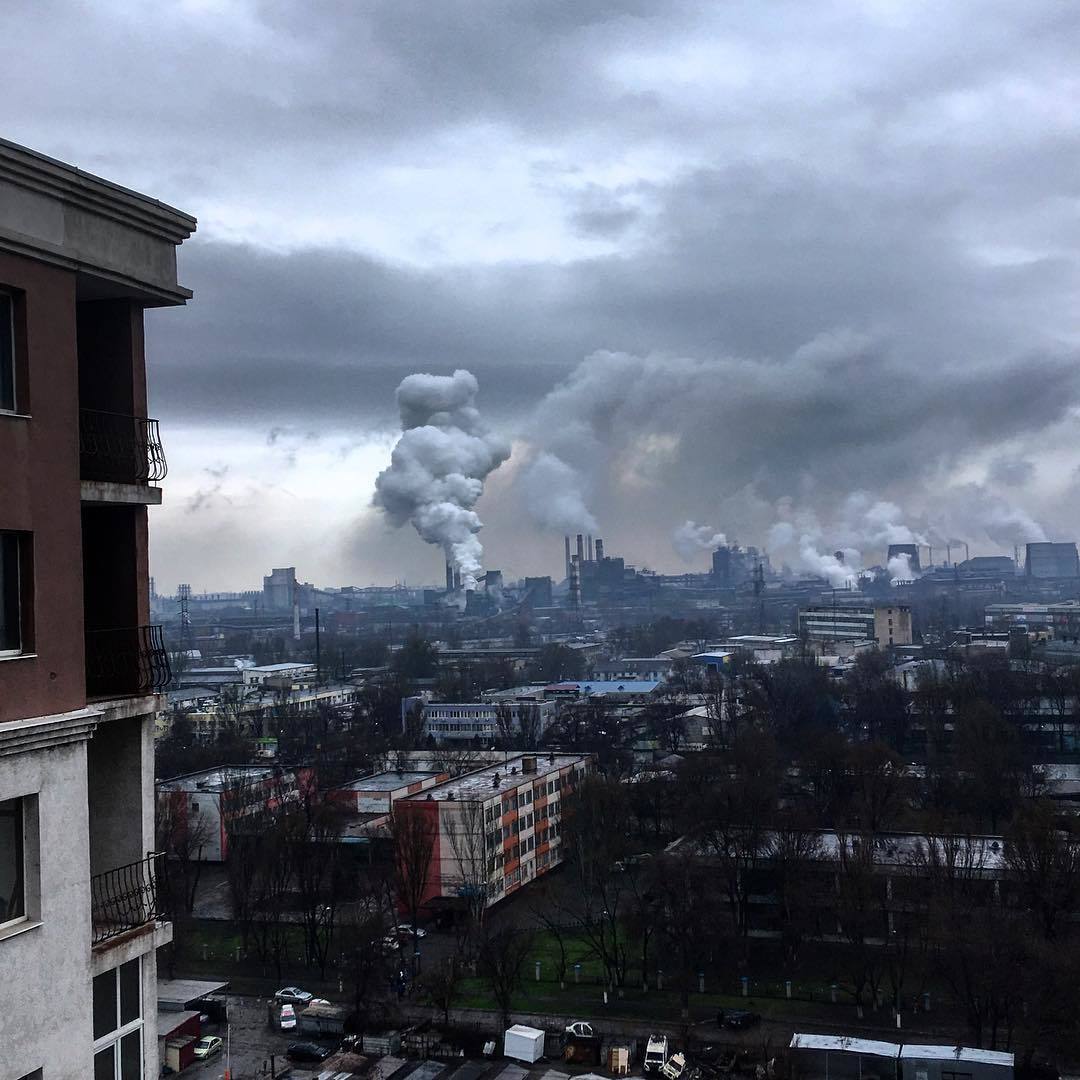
(251, 1043)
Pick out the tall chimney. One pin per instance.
(590, 548)
(580, 549)
(575, 583)
(449, 576)
(599, 550)
(296, 620)
(457, 579)
(567, 539)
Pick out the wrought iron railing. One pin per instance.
(128, 897)
(126, 662)
(121, 449)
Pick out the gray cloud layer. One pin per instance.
(828, 247)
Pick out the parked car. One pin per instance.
(292, 995)
(208, 1046)
(656, 1054)
(287, 1019)
(739, 1019)
(307, 1051)
(674, 1067)
(580, 1029)
(405, 929)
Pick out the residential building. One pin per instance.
(376, 794)
(496, 828)
(80, 667)
(200, 807)
(487, 720)
(886, 624)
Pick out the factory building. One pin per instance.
(497, 828)
(1045, 560)
(887, 624)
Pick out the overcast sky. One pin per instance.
(735, 261)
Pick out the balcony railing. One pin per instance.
(128, 897)
(127, 662)
(120, 449)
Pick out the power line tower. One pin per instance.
(183, 596)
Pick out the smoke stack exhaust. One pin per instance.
(580, 549)
(449, 576)
(599, 550)
(567, 539)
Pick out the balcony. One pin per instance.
(120, 457)
(128, 898)
(126, 663)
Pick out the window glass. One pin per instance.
(7, 352)
(105, 1004)
(12, 899)
(105, 1063)
(131, 1056)
(129, 992)
(10, 629)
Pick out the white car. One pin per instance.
(404, 928)
(292, 995)
(580, 1029)
(208, 1046)
(674, 1067)
(287, 1019)
(656, 1054)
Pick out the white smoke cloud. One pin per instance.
(691, 540)
(438, 466)
(555, 495)
(900, 568)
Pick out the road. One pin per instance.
(251, 1043)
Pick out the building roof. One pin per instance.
(217, 779)
(599, 687)
(957, 1053)
(282, 667)
(845, 1043)
(481, 785)
(386, 781)
(176, 993)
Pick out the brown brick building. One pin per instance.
(80, 668)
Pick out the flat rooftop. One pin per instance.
(482, 784)
(217, 779)
(606, 686)
(386, 781)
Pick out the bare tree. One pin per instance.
(442, 985)
(470, 845)
(1045, 861)
(500, 963)
(413, 834)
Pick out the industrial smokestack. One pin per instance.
(580, 549)
(575, 582)
(590, 549)
(567, 539)
(599, 550)
(457, 579)
(449, 576)
(296, 620)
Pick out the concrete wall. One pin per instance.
(47, 1024)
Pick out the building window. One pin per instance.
(7, 352)
(15, 579)
(118, 1023)
(12, 863)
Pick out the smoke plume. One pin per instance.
(438, 466)
(691, 540)
(554, 492)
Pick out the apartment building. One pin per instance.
(498, 828)
(80, 667)
(486, 721)
(885, 624)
